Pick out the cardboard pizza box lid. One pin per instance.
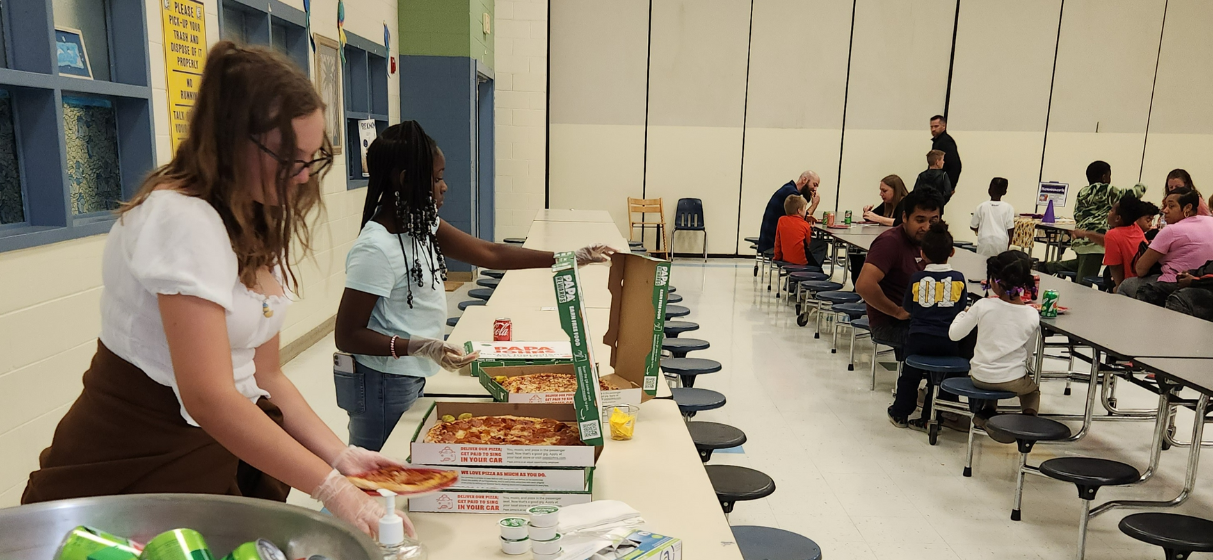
(638, 286)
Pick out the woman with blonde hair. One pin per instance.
(888, 212)
(185, 392)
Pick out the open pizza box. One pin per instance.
(518, 353)
(639, 286)
(622, 390)
(509, 490)
(570, 304)
(460, 501)
(448, 454)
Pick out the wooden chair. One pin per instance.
(638, 211)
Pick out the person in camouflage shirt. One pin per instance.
(1091, 221)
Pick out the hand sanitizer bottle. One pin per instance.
(392, 540)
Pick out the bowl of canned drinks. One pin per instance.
(177, 527)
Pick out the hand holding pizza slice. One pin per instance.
(404, 481)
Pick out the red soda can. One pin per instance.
(503, 329)
(1036, 288)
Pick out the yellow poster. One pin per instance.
(184, 56)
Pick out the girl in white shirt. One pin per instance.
(1006, 332)
(197, 275)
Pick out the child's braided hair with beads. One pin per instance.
(401, 167)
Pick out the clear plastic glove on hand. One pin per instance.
(345, 501)
(449, 356)
(355, 460)
(596, 253)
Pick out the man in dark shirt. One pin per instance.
(806, 186)
(935, 177)
(942, 141)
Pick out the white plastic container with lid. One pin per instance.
(541, 533)
(552, 556)
(513, 528)
(546, 547)
(544, 516)
(515, 547)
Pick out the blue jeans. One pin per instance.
(375, 401)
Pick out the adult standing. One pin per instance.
(942, 141)
(806, 186)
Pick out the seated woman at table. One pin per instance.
(1185, 244)
(393, 311)
(1127, 222)
(887, 213)
(1179, 178)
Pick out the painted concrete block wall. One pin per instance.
(50, 314)
(447, 28)
(521, 113)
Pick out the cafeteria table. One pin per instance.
(533, 287)
(1057, 237)
(859, 236)
(578, 216)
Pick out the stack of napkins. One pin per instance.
(588, 528)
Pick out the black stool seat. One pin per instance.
(687, 368)
(1022, 427)
(853, 310)
(962, 244)
(639, 244)
(515, 240)
(452, 321)
(963, 386)
(807, 276)
(673, 289)
(680, 346)
(672, 311)
(819, 286)
(1089, 473)
(738, 484)
(675, 328)
(1067, 274)
(768, 543)
(481, 293)
(1173, 532)
(710, 436)
(488, 282)
(940, 364)
(750, 239)
(838, 297)
(673, 298)
(862, 323)
(463, 305)
(493, 273)
(691, 400)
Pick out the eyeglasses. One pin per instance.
(314, 167)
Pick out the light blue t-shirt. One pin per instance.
(376, 265)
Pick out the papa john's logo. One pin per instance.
(447, 454)
(445, 502)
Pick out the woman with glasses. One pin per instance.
(185, 392)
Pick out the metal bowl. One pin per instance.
(34, 532)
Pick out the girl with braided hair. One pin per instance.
(393, 310)
(1006, 332)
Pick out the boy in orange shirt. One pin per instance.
(793, 232)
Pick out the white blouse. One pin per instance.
(173, 243)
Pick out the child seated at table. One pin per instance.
(1125, 236)
(793, 232)
(1006, 333)
(935, 296)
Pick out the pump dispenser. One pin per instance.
(392, 540)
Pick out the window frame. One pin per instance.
(36, 90)
(357, 46)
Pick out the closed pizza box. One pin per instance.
(639, 286)
(518, 352)
(571, 307)
(446, 454)
(450, 501)
(622, 391)
(491, 479)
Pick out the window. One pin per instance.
(365, 79)
(266, 22)
(76, 132)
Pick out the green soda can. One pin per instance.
(259, 549)
(846, 218)
(88, 543)
(1048, 306)
(178, 544)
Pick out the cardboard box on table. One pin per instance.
(518, 353)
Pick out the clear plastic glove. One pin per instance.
(596, 253)
(356, 460)
(345, 501)
(449, 356)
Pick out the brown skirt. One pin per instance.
(125, 435)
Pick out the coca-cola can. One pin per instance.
(503, 329)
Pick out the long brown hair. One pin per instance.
(245, 93)
(899, 192)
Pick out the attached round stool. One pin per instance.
(452, 321)
(738, 484)
(1089, 474)
(768, 543)
(1178, 535)
(688, 368)
(481, 293)
(1096, 281)
(493, 273)
(710, 436)
(1067, 274)
(673, 289)
(672, 311)
(673, 298)
(978, 401)
(636, 244)
(938, 368)
(680, 346)
(858, 328)
(675, 328)
(752, 240)
(690, 400)
(844, 315)
(827, 302)
(806, 300)
(515, 240)
(1025, 431)
(463, 305)
(488, 282)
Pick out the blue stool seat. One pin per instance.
(962, 244)
(675, 328)
(862, 323)
(673, 289)
(452, 321)
(853, 310)
(1069, 274)
(750, 239)
(1096, 281)
(488, 282)
(463, 305)
(481, 293)
(710, 436)
(688, 368)
(680, 346)
(493, 273)
(515, 240)
(963, 386)
(818, 286)
(734, 484)
(673, 298)
(839, 297)
(691, 400)
(767, 543)
(939, 364)
(807, 277)
(672, 311)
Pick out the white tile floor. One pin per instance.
(848, 479)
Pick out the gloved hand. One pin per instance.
(596, 253)
(355, 460)
(347, 502)
(448, 356)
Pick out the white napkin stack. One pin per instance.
(588, 528)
